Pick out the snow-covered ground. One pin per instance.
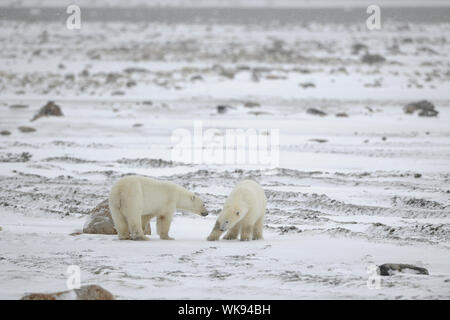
(348, 192)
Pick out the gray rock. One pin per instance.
(389, 269)
(50, 109)
(18, 106)
(357, 47)
(306, 85)
(315, 112)
(372, 58)
(251, 104)
(5, 133)
(222, 108)
(100, 221)
(26, 129)
(88, 292)
(425, 108)
(318, 140)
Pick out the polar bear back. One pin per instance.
(252, 193)
(138, 189)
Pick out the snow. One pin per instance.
(375, 191)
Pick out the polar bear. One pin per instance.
(134, 200)
(243, 212)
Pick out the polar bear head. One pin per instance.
(192, 203)
(231, 214)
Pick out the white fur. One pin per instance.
(134, 200)
(243, 213)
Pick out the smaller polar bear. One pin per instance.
(134, 200)
(243, 212)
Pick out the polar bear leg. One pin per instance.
(146, 224)
(120, 224)
(215, 233)
(134, 220)
(233, 232)
(258, 229)
(163, 225)
(246, 232)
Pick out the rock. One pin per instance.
(100, 221)
(315, 112)
(196, 78)
(135, 70)
(417, 175)
(222, 108)
(425, 108)
(88, 292)
(50, 109)
(259, 113)
(137, 125)
(389, 269)
(251, 104)
(357, 47)
(306, 85)
(18, 106)
(26, 129)
(318, 140)
(372, 58)
(342, 115)
(383, 138)
(131, 83)
(118, 93)
(5, 133)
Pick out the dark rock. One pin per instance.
(88, 292)
(342, 115)
(118, 93)
(417, 175)
(5, 133)
(222, 108)
(251, 104)
(425, 108)
(196, 78)
(100, 221)
(315, 112)
(50, 109)
(372, 58)
(388, 269)
(131, 83)
(306, 85)
(26, 129)
(318, 140)
(18, 106)
(357, 47)
(135, 70)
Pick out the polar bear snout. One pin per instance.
(204, 213)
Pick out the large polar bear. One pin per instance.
(243, 212)
(134, 200)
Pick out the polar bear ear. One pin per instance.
(193, 197)
(237, 213)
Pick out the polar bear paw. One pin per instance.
(140, 238)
